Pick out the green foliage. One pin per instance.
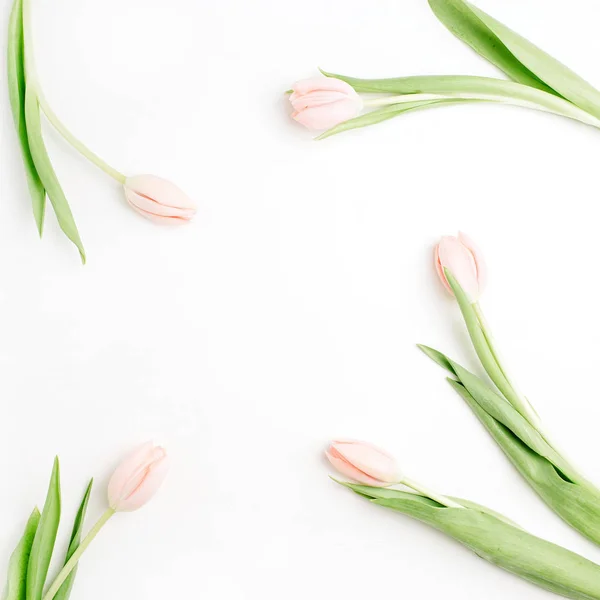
(41, 178)
(382, 114)
(64, 591)
(16, 88)
(572, 497)
(19, 560)
(46, 171)
(45, 537)
(499, 541)
(521, 60)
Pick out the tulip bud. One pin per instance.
(464, 260)
(138, 478)
(363, 463)
(323, 102)
(158, 199)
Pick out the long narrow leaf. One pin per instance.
(577, 504)
(475, 88)
(45, 537)
(480, 343)
(464, 23)
(16, 90)
(375, 493)
(516, 56)
(511, 548)
(46, 171)
(17, 566)
(496, 539)
(64, 591)
(498, 408)
(556, 75)
(501, 411)
(383, 114)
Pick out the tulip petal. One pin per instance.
(348, 470)
(477, 257)
(315, 99)
(369, 459)
(137, 478)
(329, 115)
(312, 84)
(460, 261)
(148, 486)
(160, 190)
(148, 205)
(440, 270)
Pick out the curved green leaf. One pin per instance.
(472, 88)
(512, 53)
(46, 171)
(16, 90)
(556, 75)
(496, 539)
(383, 114)
(45, 537)
(577, 504)
(482, 348)
(65, 590)
(464, 23)
(499, 409)
(17, 566)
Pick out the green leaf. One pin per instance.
(45, 537)
(482, 348)
(463, 22)
(517, 57)
(46, 172)
(511, 548)
(471, 88)
(383, 114)
(577, 504)
(499, 409)
(16, 89)
(497, 539)
(64, 591)
(437, 357)
(376, 493)
(17, 566)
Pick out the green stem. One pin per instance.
(463, 85)
(421, 489)
(33, 84)
(72, 562)
(30, 71)
(550, 105)
(524, 406)
(76, 143)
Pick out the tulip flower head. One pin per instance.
(364, 463)
(138, 478)
(158, 200)
(323, 102)
(464, 260)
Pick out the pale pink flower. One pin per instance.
(158, 200)
(322, 102)
(464, 260)
(364, 463)
(138, 478)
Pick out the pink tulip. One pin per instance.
(158, 199)
(322, 102)
(464, 260)
(364, 463)
(138, 478)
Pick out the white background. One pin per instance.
(287, 313)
